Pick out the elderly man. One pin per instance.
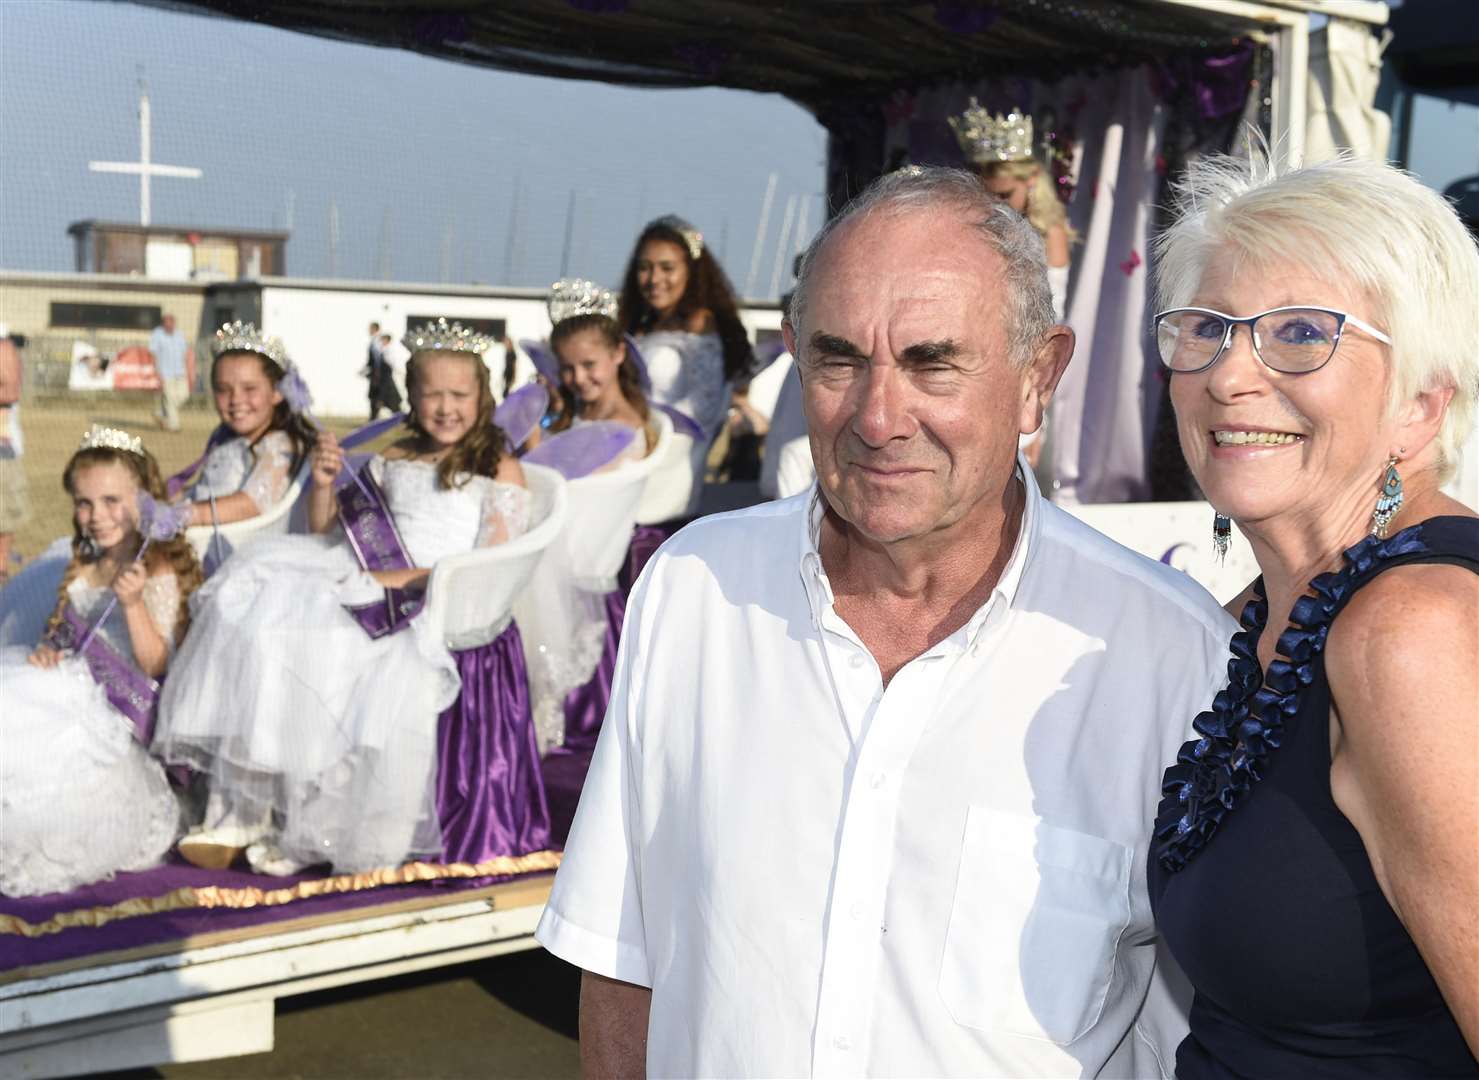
(876, 786)
(171, 352)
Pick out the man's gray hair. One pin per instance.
(1028, 300)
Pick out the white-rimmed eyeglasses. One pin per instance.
(1291, 340)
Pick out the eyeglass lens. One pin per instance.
(1293, 340)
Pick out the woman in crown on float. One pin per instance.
(309, 690)
(265, 433)
(1000, 150)
(679, 306)
(80, 797)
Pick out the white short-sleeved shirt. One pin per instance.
(820, 876)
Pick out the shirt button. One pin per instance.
(842, 1042)
(877, 780)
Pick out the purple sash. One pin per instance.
(377, 545)
(129, 690)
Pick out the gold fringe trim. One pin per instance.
(214, 896)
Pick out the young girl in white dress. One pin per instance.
(80, 797)
(265, 434)
(319, 740)
(595, 367)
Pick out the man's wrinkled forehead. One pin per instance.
(908, 271)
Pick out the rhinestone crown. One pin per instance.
(986, 139)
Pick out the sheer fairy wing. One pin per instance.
(638, 361)
(507, 509)
(583, 450)
(162, 602)
(519, 413)
(543, 359)
(683, 424)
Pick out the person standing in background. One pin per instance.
(170, 351)
(15, 499)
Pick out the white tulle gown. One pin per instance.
(80, 798)
(302, 720)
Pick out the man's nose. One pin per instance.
(882, 413)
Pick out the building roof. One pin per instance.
(93, 224)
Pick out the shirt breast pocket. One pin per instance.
(1034, 927)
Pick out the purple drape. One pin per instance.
(585, 707)
(490, 795)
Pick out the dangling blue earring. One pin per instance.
(1388, 503)
(1221, 536)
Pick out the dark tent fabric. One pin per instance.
(820, 53)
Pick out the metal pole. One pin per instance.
(782, 243)
(760, 230)
(143, 153)
(569, 226)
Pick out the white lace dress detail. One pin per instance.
(296, 713)
(263, 473)
(80, 799)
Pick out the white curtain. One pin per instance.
(1345, 68)
(1100, 420)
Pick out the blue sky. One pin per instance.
(421, 157)
(410, 149)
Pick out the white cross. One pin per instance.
(144, 167)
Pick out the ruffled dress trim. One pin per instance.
(1213, 774)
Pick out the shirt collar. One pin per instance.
(1003, 595)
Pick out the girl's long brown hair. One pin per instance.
(479, 451)
(708, 289)
(176, 551)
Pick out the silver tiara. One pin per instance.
(986, 139)
(107, 438)
(440, 336)
(241, 336)
(692, 238)
(570, 297)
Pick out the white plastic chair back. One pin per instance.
(29, 597)
(603, 511)
(238, 533)
(470, 596)
(670, 487)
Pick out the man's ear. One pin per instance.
(788, 335)
(1040, 379)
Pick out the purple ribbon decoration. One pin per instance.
(128, 689)
(519, 413)
(377, 545)
(584, 449)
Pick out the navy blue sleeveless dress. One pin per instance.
(1261, 886)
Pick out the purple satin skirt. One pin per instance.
(490, 794)
(585, 707)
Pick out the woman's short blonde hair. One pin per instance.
(1354, 221)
